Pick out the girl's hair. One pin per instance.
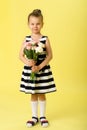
(36, 13)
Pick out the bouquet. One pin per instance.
(31, 51)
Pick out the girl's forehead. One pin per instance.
(33, 18)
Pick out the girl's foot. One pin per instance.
(32, 122)
(44, 122)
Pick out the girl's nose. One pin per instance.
(35, 25)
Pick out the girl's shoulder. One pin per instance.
(43, 39)
(28, 38)
(44, 36)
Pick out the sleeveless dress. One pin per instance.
(44, 82)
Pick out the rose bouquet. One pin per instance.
(31, 51)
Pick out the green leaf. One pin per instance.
(28, 53)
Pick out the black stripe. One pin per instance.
(42, 56)
(26, 74)
(39, 61)
(44, 49)
(27, 67)
(38, 87)
(28, 36)
(42, 117)
(43, 41)
(44, 36)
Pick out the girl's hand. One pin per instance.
(35, 68)
(31, 62)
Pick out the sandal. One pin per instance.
(32, 122)
(44, 122)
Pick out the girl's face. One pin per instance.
(35, 24)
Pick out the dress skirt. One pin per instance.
(44, 82)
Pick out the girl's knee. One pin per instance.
(34, 97)
(42, 97)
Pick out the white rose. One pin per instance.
(40, 44)
(33, 43)
(39, 49)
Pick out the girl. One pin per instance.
(44, 82)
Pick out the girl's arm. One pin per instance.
(23, 58)
(48, 57)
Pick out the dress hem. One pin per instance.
(38, 93)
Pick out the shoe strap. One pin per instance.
(42, 117)
(33, 117)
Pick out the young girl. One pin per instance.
(44, 82)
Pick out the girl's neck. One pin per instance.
(36, 36)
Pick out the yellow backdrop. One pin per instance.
(64, 23)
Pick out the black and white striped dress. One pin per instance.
(44, 82)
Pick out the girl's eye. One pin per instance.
(32, 23)
(38, 23)
(35, 24)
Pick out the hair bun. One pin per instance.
(37, 11)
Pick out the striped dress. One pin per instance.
(44, 82)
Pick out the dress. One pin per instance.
(44, 82)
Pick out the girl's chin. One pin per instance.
(36, 32)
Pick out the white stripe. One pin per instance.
(38, 91)
(29, 71)
(44, 38)
(38, 78)
(44, 77)
(38, 84)
(28, 38)
(25, 77)
(44, 52)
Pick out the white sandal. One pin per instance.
(44, 122)
(31, 123)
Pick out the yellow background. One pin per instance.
(65, 24)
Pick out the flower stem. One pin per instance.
(33, 76)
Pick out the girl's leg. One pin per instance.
(34, 106)
(42, 101)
